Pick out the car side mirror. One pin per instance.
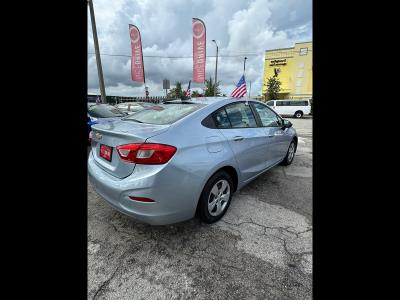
(286, 124)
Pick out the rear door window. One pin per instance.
(221, 119)
(298, 103)
(240, 115)
(282, 103)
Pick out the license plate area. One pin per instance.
(106, 152)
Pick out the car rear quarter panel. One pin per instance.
(201, 151)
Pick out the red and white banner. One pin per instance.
(199, 50)
(137, 66)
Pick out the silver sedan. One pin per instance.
(171, 161)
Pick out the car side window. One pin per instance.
(279, 103)
(267, 116)
(240, 115)
(270, 103)
(221, 119)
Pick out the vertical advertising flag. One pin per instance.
(199, 50)
(137, 66)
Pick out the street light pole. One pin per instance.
(97, 51)
(216, 70)
(244, 67)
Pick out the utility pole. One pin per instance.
(97, 51)
(216, 70)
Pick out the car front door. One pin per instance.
(277, 138)
(238, 124)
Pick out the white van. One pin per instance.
(295, 108)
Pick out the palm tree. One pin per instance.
(196, 94)
(176, 92)
(210, 88)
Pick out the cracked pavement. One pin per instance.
(261, 249)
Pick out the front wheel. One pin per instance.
(290, 154)
(216, 197)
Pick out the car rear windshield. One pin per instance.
(162, 114)
(104, 111)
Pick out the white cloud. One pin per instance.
(240, 28)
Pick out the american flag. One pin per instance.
(240, 89)
(188, 93)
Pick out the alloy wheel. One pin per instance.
(219, 197)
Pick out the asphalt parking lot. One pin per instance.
(261, 249)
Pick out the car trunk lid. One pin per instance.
(113, 134)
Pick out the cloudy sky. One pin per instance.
(240, 27)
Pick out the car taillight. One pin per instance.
(152, 154)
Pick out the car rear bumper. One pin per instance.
(175, 201)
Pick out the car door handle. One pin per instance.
(238, 138)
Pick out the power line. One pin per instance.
(160, 56)
(176, 57)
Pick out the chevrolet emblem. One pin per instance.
(98, 136)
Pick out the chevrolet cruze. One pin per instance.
(171, 161)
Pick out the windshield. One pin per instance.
(104, 111)
(162, 114)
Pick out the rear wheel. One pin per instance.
(290, 154)
(298, 114)
(216, 197)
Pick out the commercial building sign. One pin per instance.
(278, 62)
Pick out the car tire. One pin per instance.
(218, 190)
(289, 154)
(298, 114)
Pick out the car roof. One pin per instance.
(210, 100)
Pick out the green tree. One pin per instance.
(177, 91)
(273, 88)
(210, 88)
(196, 94)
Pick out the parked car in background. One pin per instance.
(163, 164)
(132, 107)
(295, 108)
(101, 113)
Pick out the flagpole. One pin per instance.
(250, 90)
